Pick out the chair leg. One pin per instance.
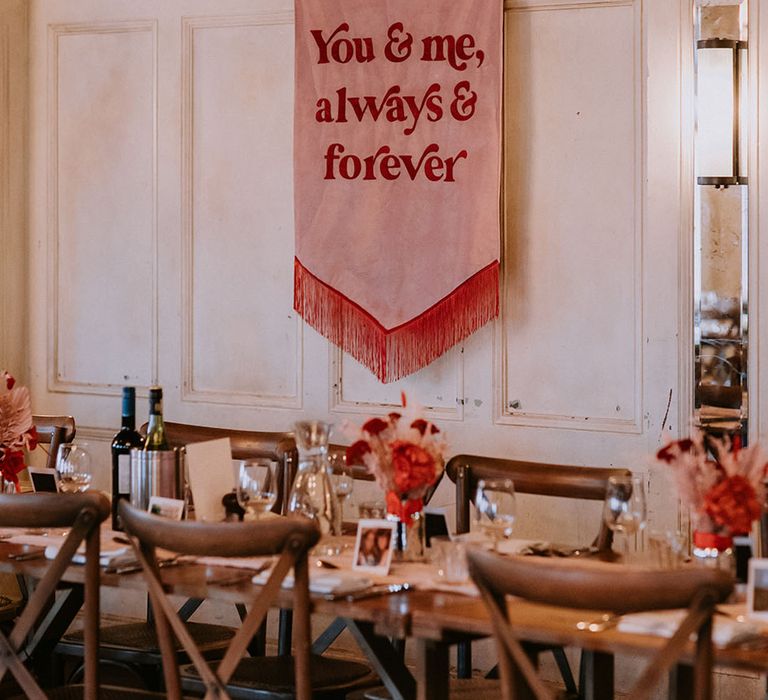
(464, 659)
(703, 668)
(565, 670)
(596, 676)
(284, 632)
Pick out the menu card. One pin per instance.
(210, 476)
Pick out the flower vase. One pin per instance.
(714, 551)
(6, 486)
(410, 538)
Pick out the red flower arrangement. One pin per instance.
(17, 431)
(727, 493)
(404, 452)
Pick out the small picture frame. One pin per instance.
(171, 508)
(757, 589)
(374, 545)
(44, 480)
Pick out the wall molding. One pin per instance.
(546, 5)
(338, 404)
(505, 414)
(57, 382)
(189, 393)
(5, 184)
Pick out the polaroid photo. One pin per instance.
(374, 546)
(171, 508)
(757, 589)
(44, 480)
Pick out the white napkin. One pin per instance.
(336, 582)
(508, 546)
(109, 552)
(234, 562)
(663, 623)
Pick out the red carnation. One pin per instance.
(11, 464)
(356, 451)
(374, 426)
(668, 454)
(732, 504)
(394, 417)
(414, 467)
(421, 425)
(32, 438)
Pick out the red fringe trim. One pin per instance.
(400, 351)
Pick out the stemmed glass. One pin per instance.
(73, 463)
(495, 508)
(257, 486)
(624, 509)
(343, 482)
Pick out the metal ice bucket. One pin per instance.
(158, 473)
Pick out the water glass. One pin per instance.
(257, 486)
(495, 508)
(666, 550)
(73, 463)
(450, 558)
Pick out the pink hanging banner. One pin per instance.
(397, 156)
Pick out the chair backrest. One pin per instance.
(601, 586)
(586, 483)
(290, 538)
(246, 444)
(53, 431)
(83, 513)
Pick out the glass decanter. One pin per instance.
(313, 494)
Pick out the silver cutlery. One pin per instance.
(372, 592)
(324, 564)
(26, 556)
(131, 567)
(598, 624)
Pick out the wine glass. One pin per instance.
(343, 482)
(257, 486)
(624, 509)
(495, 508)
(73, 463)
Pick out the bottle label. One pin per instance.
(124, 473)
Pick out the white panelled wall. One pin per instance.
(159, 246)
(160, 205)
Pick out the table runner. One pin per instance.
(397, 151)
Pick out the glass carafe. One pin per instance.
(313, 494)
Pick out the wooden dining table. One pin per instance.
(431, 620)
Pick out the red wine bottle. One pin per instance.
(122, 444)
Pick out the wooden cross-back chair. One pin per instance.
(54, 431)
(599, 586)
(134, 645)
(567, 481)
(536, 478)
(290, 539)
(83, 513)
(246, 444)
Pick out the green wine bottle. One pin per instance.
(156, 440)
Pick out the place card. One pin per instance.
(209, 465)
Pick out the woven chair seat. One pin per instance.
(141, 637)
(273, 676)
